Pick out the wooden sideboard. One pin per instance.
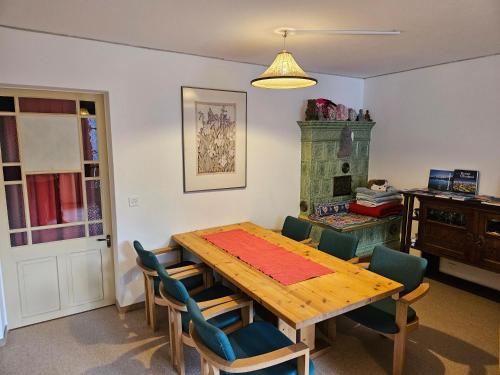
(466, 231)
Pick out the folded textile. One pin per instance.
(379, 211)
(387, 198)
(377, 194)
(374, 204)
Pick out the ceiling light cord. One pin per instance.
(285, 34)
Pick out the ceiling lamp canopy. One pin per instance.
(284, 73)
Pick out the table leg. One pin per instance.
(404, 223)
(308, 336)
(287, 330)
(409, 224)
(329, 329)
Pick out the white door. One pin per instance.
(54, 205)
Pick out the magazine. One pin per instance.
(440, 180)
(465, 181)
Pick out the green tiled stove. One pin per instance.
(334, 162)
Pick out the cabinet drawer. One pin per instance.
(444, 240)
(489, 241)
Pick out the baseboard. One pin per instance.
(129, 308)
(3, 341)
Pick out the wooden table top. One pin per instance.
(301, 304)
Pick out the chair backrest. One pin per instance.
(296, 229)
(148, 259)
(404, 268)
(338, 244)
(173, 287)
(213, 338)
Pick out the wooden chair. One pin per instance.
(148, 263)
(256, 346)
(296, 229)
(340, 245)
(175, 295)
(389, 317)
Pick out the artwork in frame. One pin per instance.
(214, 145)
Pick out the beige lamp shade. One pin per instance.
(284, 73)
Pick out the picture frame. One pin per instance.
(214, 139)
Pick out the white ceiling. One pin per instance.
(433, 31)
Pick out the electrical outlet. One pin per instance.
(133, 201)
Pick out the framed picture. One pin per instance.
(214, 139)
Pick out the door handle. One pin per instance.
(107, 239)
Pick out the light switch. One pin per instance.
(133, 201)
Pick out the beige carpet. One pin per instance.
(458, 335)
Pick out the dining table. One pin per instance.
(301, 306)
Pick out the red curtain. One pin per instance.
(54, 199)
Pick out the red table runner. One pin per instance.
(282, 265)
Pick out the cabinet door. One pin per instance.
(447, 230)
(489, 241)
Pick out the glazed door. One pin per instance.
(55, 206)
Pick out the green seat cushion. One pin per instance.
(380, 316)
(189, 283)
(260, 338)
(221, 321)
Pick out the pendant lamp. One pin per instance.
(284, 73)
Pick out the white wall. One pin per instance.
(144, 97)
(446, 117)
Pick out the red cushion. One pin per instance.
(387, 209)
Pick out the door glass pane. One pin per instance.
(50, 143)
(42, 105)
(94, 200)
(18, 239)
(89, 137)
(57, 234)
(91, 170)
(95, 229)
(54, 198)
(493, 226)
(12, 173)
(87, 108)
(15, 206)
(8, 139)
(7, 104)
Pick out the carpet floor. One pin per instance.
(458, 334)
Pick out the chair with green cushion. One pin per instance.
(148, 263)
(340, 245)
(257, 348)
(296, 229)
(175, 296)
(394, 318)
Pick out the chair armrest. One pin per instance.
(226, 307)
(168, 249)
(415, 295)
(251, 363)
(363, 265)
(219, 301)
(307, 241)
(270, 359)
(174, 271)
(354, 260)
(185, 274)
